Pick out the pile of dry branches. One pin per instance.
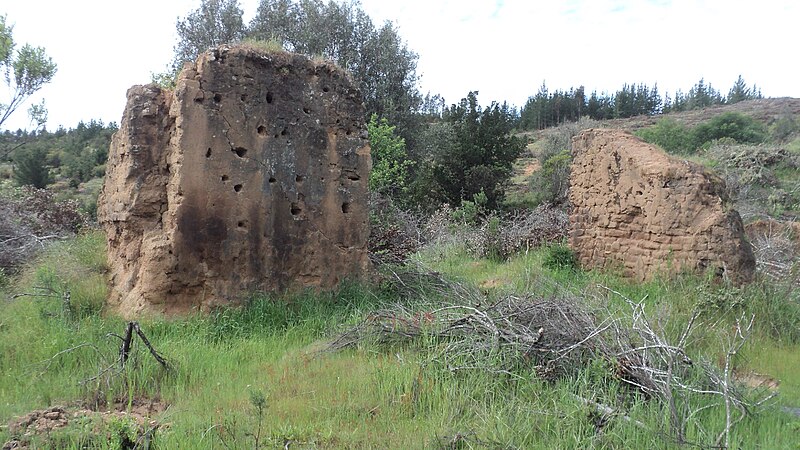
(29, 219)
(558, 335)
(776, 246)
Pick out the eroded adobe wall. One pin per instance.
(637, 209)
(251, 174)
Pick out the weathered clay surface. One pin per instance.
(251, 174)
(638, 209)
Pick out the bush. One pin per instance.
(471, 212)
(29, 218)
(560, 257)
(668, 134)
(739, 127)
(551, 183)
(556, 140)
(394, 234)
(750, 162)
(784, 128)
(498, 237)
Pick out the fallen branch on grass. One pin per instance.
(558, 336)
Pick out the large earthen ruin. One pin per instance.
(639, 210)
(250, 175)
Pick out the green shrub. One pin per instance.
(390, 162)
(560, 257)
(551, 183)
(495, 249)
(471, 212)
(739, 127)
(784, 128)
(668, 134)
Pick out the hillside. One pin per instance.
(764, 110)
(762, 177)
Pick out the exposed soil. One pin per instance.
(44, 421)
(757, 380)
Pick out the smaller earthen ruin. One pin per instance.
(640, 210)
(250, 175)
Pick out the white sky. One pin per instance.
(503, 48)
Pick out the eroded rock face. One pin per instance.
(638, 209)
(251, 175)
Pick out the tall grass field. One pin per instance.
(260, 375)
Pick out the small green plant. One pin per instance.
(123, 433)
(560, 257)
(471, 212)
(259, 402)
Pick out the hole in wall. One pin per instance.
(272, 179)
(346, 207)
(298, 178)
(217, 98)
(223, 178)
(326, 89)
(237, 188)
(270, 98)
(240, 224)
(352, 176)
(244, 97)
(208, 153)
(240, 151)
(262, 130)
(285, 131)
(307, 110)
(296, 209)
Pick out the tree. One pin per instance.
(390, 163)
(27, 70)
(481, 155)
(30, 168)
(702, 95)
(740, 92)
(381, 64)
(214, 23)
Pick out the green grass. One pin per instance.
(366, 397)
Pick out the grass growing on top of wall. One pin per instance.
(254, 375)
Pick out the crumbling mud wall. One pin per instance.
(251, 175)
(637, 209)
